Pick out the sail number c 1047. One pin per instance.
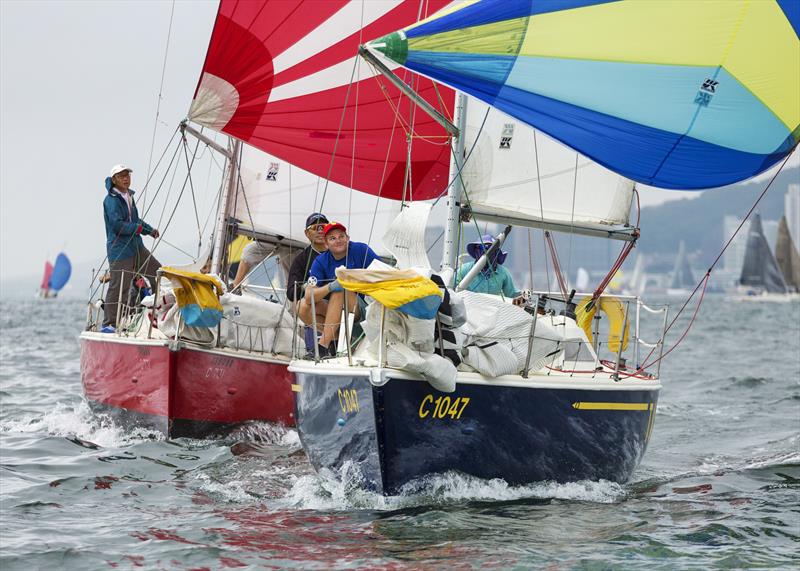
(442, 407)
(348, 400)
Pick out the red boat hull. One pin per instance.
(187, 392)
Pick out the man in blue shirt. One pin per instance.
(327, 292)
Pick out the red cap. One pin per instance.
(333, 226)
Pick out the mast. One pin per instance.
(455, 190)
(220, 233)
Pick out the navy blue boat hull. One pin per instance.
(404, 430)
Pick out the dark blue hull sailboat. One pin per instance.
(547, 428)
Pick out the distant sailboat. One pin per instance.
(761, 277)
(638, 279)
(582, 280)
(55, 276)
(682, 281)
(787, 256)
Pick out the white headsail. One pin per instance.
(517, 173)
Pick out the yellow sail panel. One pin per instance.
(197, 296)
(770, 69)
(403, 290)
(727, 33)
(455, 6)
(637, 32)
(236, 248)
(500, 38)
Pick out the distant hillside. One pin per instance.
(699, 221)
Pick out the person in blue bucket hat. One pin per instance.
(494, 278)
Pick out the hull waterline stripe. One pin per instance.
(611, 405)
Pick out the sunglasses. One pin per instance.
(315, 227)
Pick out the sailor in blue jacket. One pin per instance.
(126, 252)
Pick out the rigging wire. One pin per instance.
(572, 218)
(158, 240)
(170, 187)
(355, 122)
(215, 200)
(541, 210)
(466, 159)
(174, 208)
(178, 248)
(160, 97)
(339, 130)
(189, 165)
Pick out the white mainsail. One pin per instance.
(275, 199)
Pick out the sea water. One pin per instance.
(718, 487)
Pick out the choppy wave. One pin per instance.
(80, 422)
(722, 470)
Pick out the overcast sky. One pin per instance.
(80, 84)
(79, 90)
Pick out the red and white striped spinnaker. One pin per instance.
(284, 77)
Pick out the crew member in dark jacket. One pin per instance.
(126, 251)
(298, 272)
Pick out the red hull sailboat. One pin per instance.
(188, 392)
(293, 111)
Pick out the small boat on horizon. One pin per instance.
(762, 278)
(55, 277)
(682, 280)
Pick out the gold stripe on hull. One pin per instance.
(611, 405)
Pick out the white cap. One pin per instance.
(116, 169)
